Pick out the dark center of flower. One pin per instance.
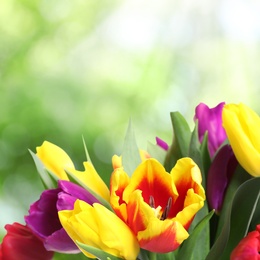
(159, 213)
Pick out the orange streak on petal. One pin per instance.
(118, 181)
(139, 213)
(162, 236)
(187, 176)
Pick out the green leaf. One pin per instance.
(242, 209)
(156, 152)
(195, 151)
(97, 252)
(130, 154)
(195, 247)
(79, 256)
(49, 180)
(181, 140)
(78, 181)
(86, 150)
(205, 156)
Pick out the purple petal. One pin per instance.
(162, 144)
(219, 175)
(61, 242)
(43, 216)
(77, 191)
(210, 120)
(65, 201)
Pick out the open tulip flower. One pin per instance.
(156, 205)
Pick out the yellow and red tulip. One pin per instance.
(159, 207)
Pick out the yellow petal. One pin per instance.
(187, 178)
(98, 227)
(116, 161)
(91, 179)
(54, 159)
(118, 181)
(242, 127)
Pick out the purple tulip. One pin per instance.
(43, 215)
(210, 120)
(219, 175)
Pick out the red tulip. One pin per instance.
(20, 243)
(248, 247)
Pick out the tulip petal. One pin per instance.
(118, 182)
(54, 159)
(71, 192)
(91, 179)
(219, 175)
(210, 120)
(98, 227)
(187, 178)
(151, 178)
(248, 247)
(242, 127)
(44, 211)
(60, 240)
(153, 234)
(162, 238)
(20, 243)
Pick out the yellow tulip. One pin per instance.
(98, 227)
(242, 126)
(58, 162)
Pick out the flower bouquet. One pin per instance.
(196, 198)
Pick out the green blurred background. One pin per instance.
(82, 68)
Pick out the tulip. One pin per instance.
(158, 207)
(99, 227)
(20, 243)
(43, 215)
(219, 176)
(58, 162)
(248, 247)
(209, 120)
(242, 127)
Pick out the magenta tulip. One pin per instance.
(43, 215)
(210, 120)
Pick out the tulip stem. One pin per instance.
(152, 256)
